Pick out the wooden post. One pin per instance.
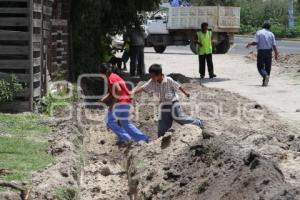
(42, 51)
(31, 55)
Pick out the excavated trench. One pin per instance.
(246, 152)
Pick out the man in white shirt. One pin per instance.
(266, 43)
(170, 109)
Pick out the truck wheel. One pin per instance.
(159, 49)
(223, 47)
(193, 47)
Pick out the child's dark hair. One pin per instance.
(108, 67)
(104, 68)
(155, 69)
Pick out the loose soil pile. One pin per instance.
(286, 63)
(246, 153)
(61, 179)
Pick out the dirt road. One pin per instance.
(235, 74)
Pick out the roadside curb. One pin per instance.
(281, 39)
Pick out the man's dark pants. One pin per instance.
(173, 112)
(207, 58)
(264, 62)
(137, 58)
(125, 58)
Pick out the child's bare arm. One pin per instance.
(137, 90)
(107, 97)
(184, 92)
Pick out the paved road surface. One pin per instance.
(237, 75)
(285, 47)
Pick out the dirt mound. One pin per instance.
(286, 63)
(61, 179)
(246, 153)
(180, 78)
(190, 167)
(292, 59)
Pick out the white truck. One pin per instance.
(178, 26)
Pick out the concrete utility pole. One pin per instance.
(291, 14)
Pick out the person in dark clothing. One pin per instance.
(115, 61)
(266, 43)
(126, 55)
(205, 50)
(136, 39)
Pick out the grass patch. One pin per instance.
(66, 194)
(23, 125)
(23, 145)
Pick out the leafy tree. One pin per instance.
(94, 21)
(255, 12)
(215, 2)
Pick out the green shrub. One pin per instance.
(9, 89)
(279, 30)
(247, 29)
(56, 101)
(292, 33)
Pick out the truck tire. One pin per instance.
(193, 47)
(223, 47)
(159, 49)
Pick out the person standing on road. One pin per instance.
(126, 55)
(170, 109)
(119, 109)
(266, 43)
(136, 39)
(205, 50)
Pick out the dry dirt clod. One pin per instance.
(207, 135)
(104, 162)
(250, 157)
(9, 195)
(105, 171)
(5, 172)
(254, 163)
(258, 107)
(64, 172)
(184, 182)
(291, 138)
(102, 142)
(96, 190)
(203, 187)
(171, 176)
(166, 141)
